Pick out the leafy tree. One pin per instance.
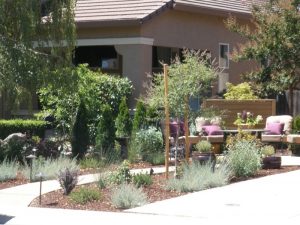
(190, 78)
(80, 132)
(35, 37)
(123, 121)
(273, 41)
(241, 91)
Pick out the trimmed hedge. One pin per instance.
(34, 127)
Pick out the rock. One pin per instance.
(15, 137)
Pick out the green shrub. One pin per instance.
(241, 91)
(148, 142)
(102, 181)
(123, 122)
(15, 150)
(244, 158)
(68, 180)
(157, 158)
(197, 177)
(296, 124)
(91, 163)
(204, 146)
(128, 196)
(85, 195)
(8, 170)
(122, 175)
(142, 179)
(139, 119)
(80, 132)
(95, 88)
(50, 167)
(34, 127)
(267, 150)
(105, 138)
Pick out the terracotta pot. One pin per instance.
(271, 162)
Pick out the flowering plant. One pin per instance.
(247, 118)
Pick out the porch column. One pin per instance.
(137, 63)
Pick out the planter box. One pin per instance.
(271, 162)
(263, 107)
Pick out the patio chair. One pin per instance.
(210, 130)
(277, 129)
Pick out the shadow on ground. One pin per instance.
(5, 218)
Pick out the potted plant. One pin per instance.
(269, 160)
(204, 153)
(247, 120)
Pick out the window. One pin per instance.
(224, 55)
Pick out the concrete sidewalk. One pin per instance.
(272, 200)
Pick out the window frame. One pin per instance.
(228, 61)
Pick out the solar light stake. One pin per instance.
(40, 175)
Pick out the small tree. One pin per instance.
(123, 122)
(105, 136)
(80, 132)
(139, 118)
(190, 78)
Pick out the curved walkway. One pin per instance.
(272, 200)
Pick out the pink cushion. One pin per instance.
(212, 130)
(275, 128)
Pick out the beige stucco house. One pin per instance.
(131, 37)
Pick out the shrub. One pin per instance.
(139, 119)
(80, 132)
(122, 175)
(95, 88)
(50, 167)
(244, 158)
(102, 181)
(157, 158)
(128, 196)
(105, 138)
(15, 149)
(241, 91)
(123, 122)
(296, 123)
(148, 142)
(8, 170)
(33, 127)
(196, 177)
(85, 195)
(142, 179)
(267, 150)
(68, 180)
(204, 146)
(90, 163)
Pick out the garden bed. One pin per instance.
(155, 192)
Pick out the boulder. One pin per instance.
(15, 137)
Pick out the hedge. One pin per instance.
(34, 127)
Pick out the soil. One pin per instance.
(155, 192)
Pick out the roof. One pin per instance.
(118, 10)
(94, 11)
(234, 6)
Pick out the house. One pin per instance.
(131, 37)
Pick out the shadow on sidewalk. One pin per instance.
(5, 218)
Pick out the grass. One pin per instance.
(197, 177)
(85, 195)
(127, 196)
(49, 168)
(8, 170)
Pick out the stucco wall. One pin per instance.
(195, 31)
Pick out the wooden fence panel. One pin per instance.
(263, 107)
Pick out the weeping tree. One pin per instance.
(189, 78)
(274, 42)
(36, 36)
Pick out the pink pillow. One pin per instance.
(212, 130)
(275, 128)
